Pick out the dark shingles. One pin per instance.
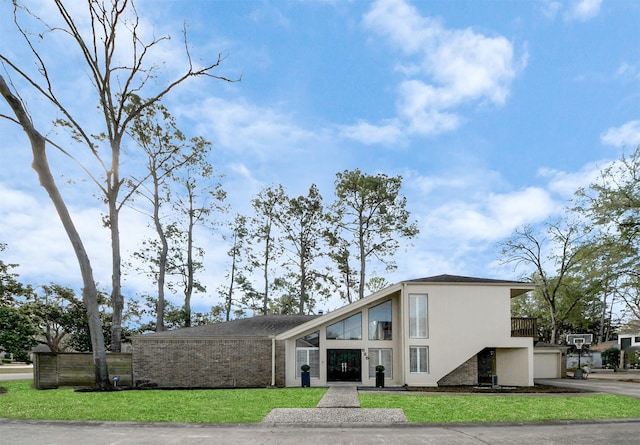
(460, 279)
(262, 326)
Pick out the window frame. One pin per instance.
(384, 329)
(378, 360)
(343, 322)
(314, 366)
(418, 326)
(425, 355)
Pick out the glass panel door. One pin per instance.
(344, 365)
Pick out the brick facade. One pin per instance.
(207, 362)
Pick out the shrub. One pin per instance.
(611, 357)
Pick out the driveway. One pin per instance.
(621, 383)
(16, 372)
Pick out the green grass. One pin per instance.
(475, 408)
(197, 406)
(21, 401)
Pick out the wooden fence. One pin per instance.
(53, 370)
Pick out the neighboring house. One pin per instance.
(442, 330)
(626, 341)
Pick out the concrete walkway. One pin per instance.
(339, 406)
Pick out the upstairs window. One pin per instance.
(418, 316)
(347, 329)
(380, 322)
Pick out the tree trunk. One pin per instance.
(363, 264)
(164, 251)
(117, 301)
(89, 291)
(190, 268)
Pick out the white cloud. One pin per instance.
(244, 127)
(565, 184)
(493, 218)
(445, 68)
(582, 10)
(366, 133)
(627, 135)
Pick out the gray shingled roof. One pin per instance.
(261, 326)
(459, 279)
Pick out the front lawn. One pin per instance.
(21, 401)
(526, 408)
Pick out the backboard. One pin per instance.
(583, 339)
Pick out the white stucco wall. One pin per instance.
(463, 320)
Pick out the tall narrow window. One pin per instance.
(418, 316)
(380, 322)
(419, 359)
(382, 357)
(308, 353)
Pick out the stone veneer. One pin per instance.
(464, 375)
(207, 363)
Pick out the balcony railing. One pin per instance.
(524, 327)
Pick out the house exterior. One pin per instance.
(435, 331)
(238, 353)
(442, 330)
(628, 340)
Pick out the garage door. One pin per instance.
(546, 365)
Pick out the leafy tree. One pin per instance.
(197, 198)
(370, 214)
(10, 287)
(612, 205)
(266, 245)
(17, 333)
(114, 80)
(16, 330)
(302, 223)
(239, 240)
(168, 152)
(58, 315)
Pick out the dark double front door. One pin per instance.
(344, 365)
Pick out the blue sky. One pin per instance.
(494, 113)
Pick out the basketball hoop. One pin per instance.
(578, 343)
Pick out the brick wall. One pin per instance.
(207, 362)
(465, 374)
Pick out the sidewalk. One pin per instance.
(339, 406)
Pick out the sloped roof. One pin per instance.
(261, 326)
(460, 279)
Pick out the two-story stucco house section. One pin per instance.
(442, 330)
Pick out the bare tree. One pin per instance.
(530, 250)
(113, 25)
(114, 81)
(89, 291)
